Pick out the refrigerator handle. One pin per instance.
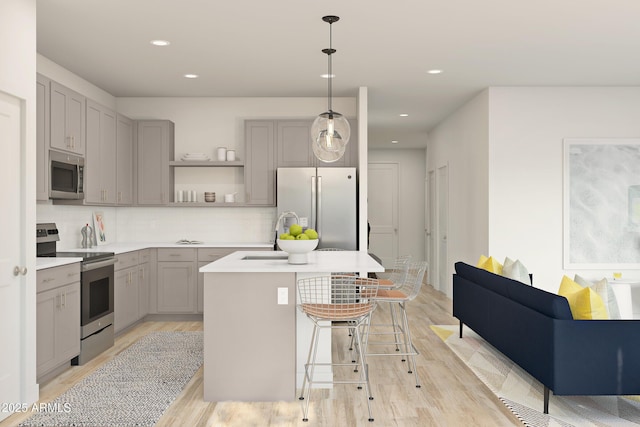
(313, 203)
(319, 208)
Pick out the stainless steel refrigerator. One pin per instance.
(324, 199)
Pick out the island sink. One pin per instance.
(265, 257)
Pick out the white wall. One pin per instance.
(17, 78)
(411, 170)
(527, 126)
(461, 141)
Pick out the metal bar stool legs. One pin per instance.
(400, 329)
(336, 302)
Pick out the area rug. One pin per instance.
(523, 395)
(133, 389)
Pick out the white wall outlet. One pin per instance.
(283, 296)
(304, 222)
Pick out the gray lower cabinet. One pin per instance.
(57, 317)
(154, 151)
(131, 299)
(176, 281)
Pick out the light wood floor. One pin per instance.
(450, 395)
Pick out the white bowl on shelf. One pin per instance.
(297, 249)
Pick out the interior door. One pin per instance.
(382, 193)
(430, 218)
(444, 278)
(12, 258)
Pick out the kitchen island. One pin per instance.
(255, 341)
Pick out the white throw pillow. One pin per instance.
(602, 288)
(515, 270)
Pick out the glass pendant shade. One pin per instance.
(330, 132)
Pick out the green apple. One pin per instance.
(295, 229)
(290, 237)
(302, 236)
(313, 234)
(284, 236)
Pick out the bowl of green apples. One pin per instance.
(298, 243)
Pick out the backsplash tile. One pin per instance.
(162, 224)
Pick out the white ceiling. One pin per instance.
(273, 48)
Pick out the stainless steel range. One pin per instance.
(96, 292)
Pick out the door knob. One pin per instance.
(17, 271)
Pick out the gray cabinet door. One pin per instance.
(143, 290)
(155, 149)
(124, 160)
(42, 137)
(176, 287)
(67, 119)
(294, 143)
(126, 298)
(57, 327)
(100, 163)
(260, 163)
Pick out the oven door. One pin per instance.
(97, 295)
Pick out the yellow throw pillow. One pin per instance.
(481, 261)
(490, 264)
(585, 304)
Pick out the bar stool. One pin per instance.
(398, 297)
(396, 275)
(336, 302)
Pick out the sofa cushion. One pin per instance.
(604, 289)
(585, 303)
(515, 270)
(490, 264)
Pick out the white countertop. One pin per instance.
(50, 262)
(123, 247)
(318, 262)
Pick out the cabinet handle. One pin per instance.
(174, 254)
(119, 198)
(65, 300)
(58, 301)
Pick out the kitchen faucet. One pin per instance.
(280, 218)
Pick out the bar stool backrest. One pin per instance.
(413, 279)
(337, 297)
(400, 268)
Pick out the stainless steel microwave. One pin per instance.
(66, 176)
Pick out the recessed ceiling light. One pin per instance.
(394, 141)
(328, 76)
(191, 76)
(434, 71)
(404, 115)
(160, 42)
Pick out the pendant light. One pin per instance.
(330, 131)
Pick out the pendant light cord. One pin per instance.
(330, 52)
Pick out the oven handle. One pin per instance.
(98, 264)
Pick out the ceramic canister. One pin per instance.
(222, 154)
(231, 155)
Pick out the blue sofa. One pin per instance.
(536, 330)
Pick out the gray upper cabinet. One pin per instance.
(154, 151)
(100, 163)
(294, 143)
(124, 160)
(260, 163)
(42, 137)
(67, 119)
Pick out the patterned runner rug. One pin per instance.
(523, 395)
(133, 389)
